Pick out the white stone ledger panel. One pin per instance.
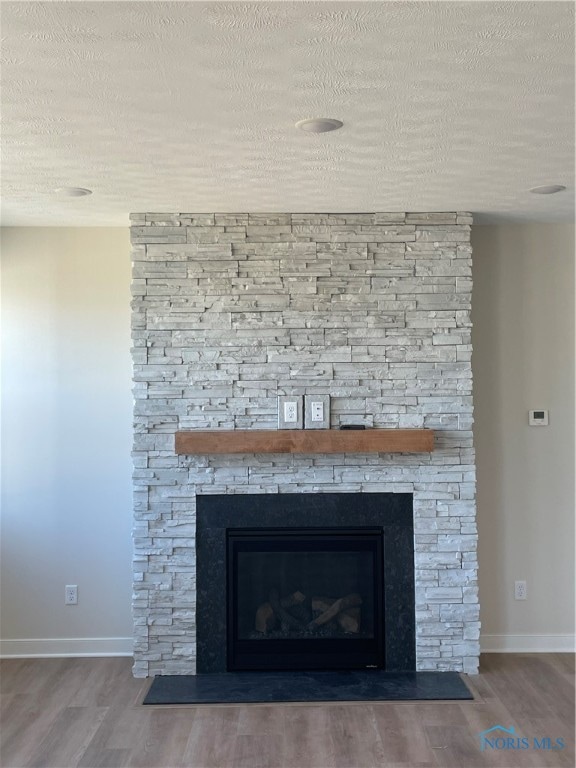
(232, 310)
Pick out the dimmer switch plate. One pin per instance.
(290, 412)
(317, 412)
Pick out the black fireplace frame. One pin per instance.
(392, 512)
(302, 654)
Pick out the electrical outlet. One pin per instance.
(317, 412)
(71, 594)
(520, 592)
(290, 412)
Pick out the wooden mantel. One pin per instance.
(305, 441)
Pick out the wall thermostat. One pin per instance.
(538, 418)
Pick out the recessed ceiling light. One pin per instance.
(548, 189)
(319, 124)
(73, 191)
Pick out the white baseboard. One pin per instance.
(527, 644)
(122, 646)
(66, 647)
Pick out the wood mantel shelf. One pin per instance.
(305, 441)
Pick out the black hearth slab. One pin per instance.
(270, 687)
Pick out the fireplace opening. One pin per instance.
(305, 598)
(354, 545)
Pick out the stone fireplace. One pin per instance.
(232, 310)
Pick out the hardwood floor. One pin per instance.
(64, 713)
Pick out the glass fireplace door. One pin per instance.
(304, 598)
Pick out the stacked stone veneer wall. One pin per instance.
(230, 311)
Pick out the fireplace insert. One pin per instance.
(305, 598)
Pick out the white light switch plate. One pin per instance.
(317, 412)
(290, 412)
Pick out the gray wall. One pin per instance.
(523, 313)
(66, 439)
(54, 283)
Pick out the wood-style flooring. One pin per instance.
(86, 713)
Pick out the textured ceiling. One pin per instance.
(191, 106)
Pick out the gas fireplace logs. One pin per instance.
(296, 612)
(346, 612)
